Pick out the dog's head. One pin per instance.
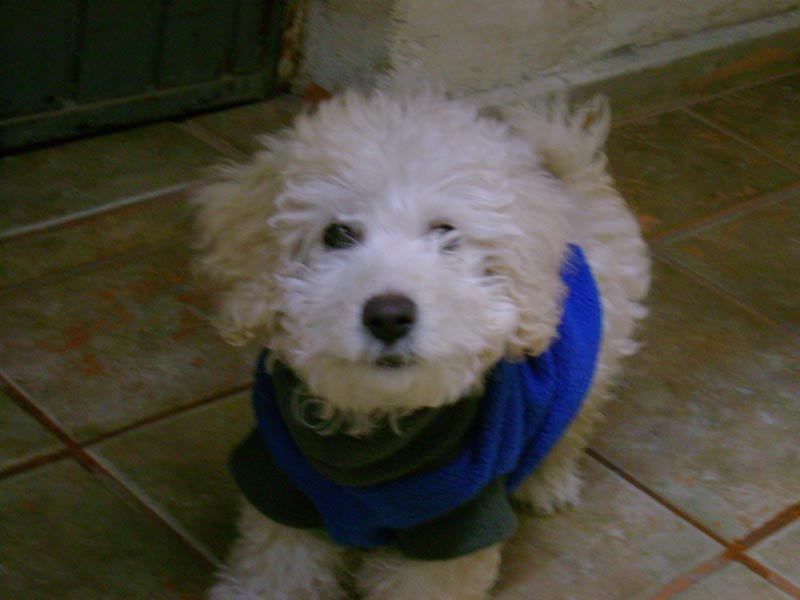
(389, 250)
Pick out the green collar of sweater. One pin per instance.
(423, 440)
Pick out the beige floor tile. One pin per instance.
(618, 544)
(674, 170)
(734, 582)
(66, 537)
(118, 343)
(100, 237)
(768, 114)
(180, 465)
(781, 552)
(88, 174)
(21, 437)
(707, 414)
(754, 256)
(241, 127)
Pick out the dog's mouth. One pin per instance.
(393, 361)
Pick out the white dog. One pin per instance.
(408, 262)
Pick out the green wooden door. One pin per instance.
(70, 67)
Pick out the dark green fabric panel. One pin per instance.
(118, 48)
(197, 35)
(249, 42)
(75, 67)
(38, 39)
(268, 489)
(145, 108)
(484, 521)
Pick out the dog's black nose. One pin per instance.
(389, 317)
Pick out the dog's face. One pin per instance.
(392, 299)
(389, 251)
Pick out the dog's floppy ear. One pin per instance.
(569, 138)
(568, 141)
(529, 261)
(239, 252)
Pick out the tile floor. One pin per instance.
(118, 405)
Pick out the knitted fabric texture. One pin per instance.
(525, 408)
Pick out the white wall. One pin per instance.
(345, 42)
(476, 45)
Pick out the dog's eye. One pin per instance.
(339, 235)
(448, 234)
(443, 228)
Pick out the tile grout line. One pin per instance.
(770, 575)
(129, 494)
(725, 215)
(694, 575)
(738, 551)
(211, 139)
(741, 139)
(178, 195)
(630, 479)
(708, 567)
(50, 423)
(779, 521)
(80, 216)
(93, 466)
(166, 414)
(720, 291)
(688, 103)
(789, 72)
(733, 551)
(29, 464)
(184, 239)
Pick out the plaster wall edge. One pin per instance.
(638, 59)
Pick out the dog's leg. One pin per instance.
(272, 562)
(556, 483)
(388, 575)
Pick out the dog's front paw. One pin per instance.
(388, 575)
(545, 496)
(270, 561)
(228, 588)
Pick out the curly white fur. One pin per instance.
(393, 167)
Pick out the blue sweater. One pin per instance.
(525, 408)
